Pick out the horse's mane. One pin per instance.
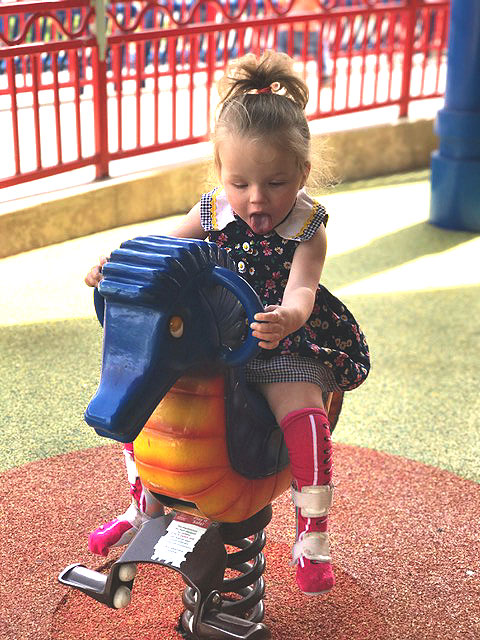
(157, 270)
(146, 268)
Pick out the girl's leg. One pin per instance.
(121, 529)
(299, 410)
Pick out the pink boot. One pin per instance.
(307, 436)
(122, 529)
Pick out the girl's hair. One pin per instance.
(264, 98)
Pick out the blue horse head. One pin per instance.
(169, 306)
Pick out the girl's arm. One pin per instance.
(278, 321)
(189, 227)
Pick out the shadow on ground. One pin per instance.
(390, 251)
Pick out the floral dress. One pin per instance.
(329, 349)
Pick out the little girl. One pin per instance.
(275, 233)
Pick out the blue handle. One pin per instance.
(252, 305)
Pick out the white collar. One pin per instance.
(296, 226)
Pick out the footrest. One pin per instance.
(113, 590)
(190, 545)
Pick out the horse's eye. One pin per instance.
(176, 326)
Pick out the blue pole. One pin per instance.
(455, 181)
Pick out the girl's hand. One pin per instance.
(273, 324)
(94, 276)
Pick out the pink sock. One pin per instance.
(307, 437)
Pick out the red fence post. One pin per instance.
(100, 91)
(410, 23)
(100, 114)
(14, 109)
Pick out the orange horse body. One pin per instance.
(182, 453)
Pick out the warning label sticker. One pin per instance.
(182, 535)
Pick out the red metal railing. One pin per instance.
(81, 87)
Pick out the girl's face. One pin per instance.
(261, 182)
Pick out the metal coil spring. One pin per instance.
(249, 585)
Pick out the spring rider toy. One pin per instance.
(176, 336)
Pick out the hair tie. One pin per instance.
(275, 86)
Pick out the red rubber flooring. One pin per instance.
(405, 542)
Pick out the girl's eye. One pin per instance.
(239, 186)
(277, 184)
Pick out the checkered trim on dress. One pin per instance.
(318, 217)
(207, 203)
(291, 368)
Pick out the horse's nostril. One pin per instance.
(176, 326)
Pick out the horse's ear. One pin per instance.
(251, 304)
(99, 304)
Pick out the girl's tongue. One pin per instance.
(260, 223)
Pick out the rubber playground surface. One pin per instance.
(404, 525)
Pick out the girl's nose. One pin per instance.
(256, 194)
